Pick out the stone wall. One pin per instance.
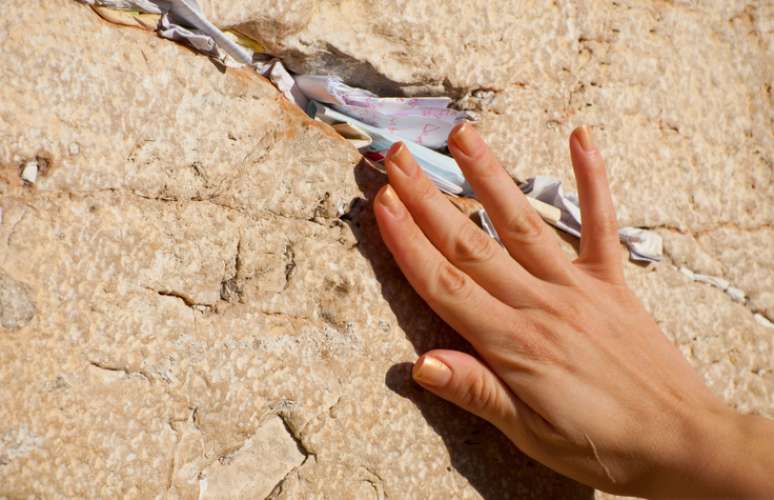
(194, 299)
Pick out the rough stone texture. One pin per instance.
(16, 307)
(205, 274)
(679, 96)
(254, 469)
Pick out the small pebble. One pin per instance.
(74, 149)
(30, 171)
(736, 294)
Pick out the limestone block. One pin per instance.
(253, 470)
(193, 292)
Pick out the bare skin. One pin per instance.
(571, 366)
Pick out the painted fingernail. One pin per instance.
(389, 199)
(431, 371)
(467, 139)
(401, 157)
(584, 137)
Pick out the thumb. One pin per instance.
(465, 381)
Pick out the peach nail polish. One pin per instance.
(400, 156)
(389, 199)
(431, 371)
(467, 139)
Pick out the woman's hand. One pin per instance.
(572, 368)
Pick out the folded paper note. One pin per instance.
(374, 123)
(441, 169)
(423, 120)
(643, 245)
(275, 71)
(184, 20)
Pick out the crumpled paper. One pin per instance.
(423, 123)
(169, 28)
(643, 245)
(149, 6)
(275, 71)
(441, 169)
(424, 120)
(183, 20)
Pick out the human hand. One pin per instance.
(572, 368)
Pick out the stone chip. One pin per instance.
(16, 305)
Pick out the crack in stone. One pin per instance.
(284, 315)
(290, 266)
(119, 369)
(173, 424)
(173, 462)
(377, 484)
(308, 455)
(210, 199)
(717, 227)
(187, 300)
(231, 289)
(731, 292)
(297, 437)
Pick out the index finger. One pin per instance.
(451, 293)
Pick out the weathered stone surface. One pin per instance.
(16, 306)
(204, 264)
(678, 94)
(253, 470)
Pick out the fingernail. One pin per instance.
(401, 157)
(584, 137)
(431, 371)
(467, 139)
(389, 199)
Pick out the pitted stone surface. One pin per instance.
(16, 306)
(201, 275)
(253, 470)
(685, 125)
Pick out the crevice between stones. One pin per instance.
(119, 369)
(308, 455)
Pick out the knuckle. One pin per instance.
(473, 246)
(523, 225)
(479, 392)
(425, 190)
(539, 349)
(535, 342)
(453, 283)
(573, 311)
(548, 305)
(595, 160)
(413, 236)
(488, 165)
(606, 224)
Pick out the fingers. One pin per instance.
(465, 381)
(462, 242)
(600, 251)
(452, 294)
(521, 229)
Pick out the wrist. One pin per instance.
(731, 455)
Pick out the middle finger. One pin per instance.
(521, 229)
